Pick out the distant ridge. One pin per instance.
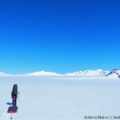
(115, 73)
(99, 73)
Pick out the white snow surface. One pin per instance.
(47, 98)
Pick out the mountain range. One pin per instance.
(115, 73)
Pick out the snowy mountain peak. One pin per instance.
(43, 73)
(115, 73)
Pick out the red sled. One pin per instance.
(12, 109)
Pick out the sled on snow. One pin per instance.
(12, 109)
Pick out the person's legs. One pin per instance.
(15, 100)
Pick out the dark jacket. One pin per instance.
(14, 91)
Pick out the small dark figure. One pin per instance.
(14, 94)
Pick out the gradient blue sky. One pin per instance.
(59, 35)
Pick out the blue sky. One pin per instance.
(59, 35)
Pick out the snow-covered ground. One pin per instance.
(57, 99)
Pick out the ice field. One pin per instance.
(56, 99)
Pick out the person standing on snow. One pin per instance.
(14, 94)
